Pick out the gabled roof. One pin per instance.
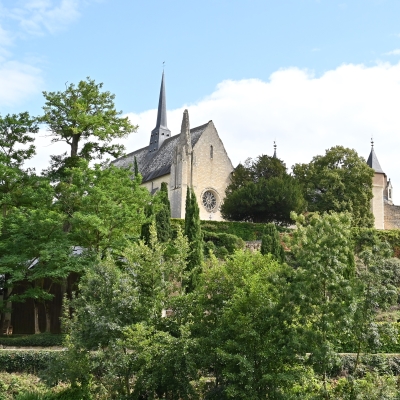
(160, 162)
(373, 162)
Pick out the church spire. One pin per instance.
(162, 106)
(274, 149)
(161, 131)
(373, 160)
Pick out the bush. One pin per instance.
(12, 386)
(40, 340)
(230, 242)
(247, 231)
(29, 361)
(363, 235)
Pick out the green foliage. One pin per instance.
(40, 340)
(16, 385)
(338, 181)
(104, 206)
(245, 291)
(86, 119)
(271, 243)
(29, 361)
(15, 132)
(247, 231)
(116, 296)
(322, 249)
(152, 351)
(230, 242)
(163, 217)
(194, 235)
(262, 191)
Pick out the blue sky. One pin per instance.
(308, 74)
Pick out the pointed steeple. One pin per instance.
(373, 160)
(274, 149)
(161, 131)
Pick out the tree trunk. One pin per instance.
(7, 310)
(47, 309)
(36, 316)
(74, 145)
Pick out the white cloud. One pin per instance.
(18, 81)
(395, 52)
(304, 113)
(37, 16)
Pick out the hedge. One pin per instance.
(30, 361)
(39, 340)
(247, 231)
(230, 242)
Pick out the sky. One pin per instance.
(309, 74)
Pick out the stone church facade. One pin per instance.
(386, 214)
(194, 158)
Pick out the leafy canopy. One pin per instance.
(85, 118)
(262, 191)
(339, 181)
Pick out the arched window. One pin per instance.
(211, 152)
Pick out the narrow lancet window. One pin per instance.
(211, 152)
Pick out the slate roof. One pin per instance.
(159, 163)
(373, 162)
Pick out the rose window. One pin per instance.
(209, 201)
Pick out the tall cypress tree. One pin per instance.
(193, 233)
(188, 211)
(135, 167)
(271, 243)
(163, 217)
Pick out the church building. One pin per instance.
(387, 215)
(194, 158)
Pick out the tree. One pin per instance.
(262, 191)
(86, 119)
(104, 207)
(163, 217)
(243, 337)
(269, 200)
(322, 289)
(15, 134)
(375, 290)
(194, 235)
(271, 243)
(338, 181)
(36, 253)
(120, 308)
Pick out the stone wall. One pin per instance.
(212, 169)
(392, 216)
(254, 245)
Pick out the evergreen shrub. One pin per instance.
(39, 340)
(229, 241)
(29, 361)
(246, 231)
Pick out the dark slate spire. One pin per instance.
(373, 160)
(161, 131)
(274, 149)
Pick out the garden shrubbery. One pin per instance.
(39, 340)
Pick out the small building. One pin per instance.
(194, 158)
(386, 214)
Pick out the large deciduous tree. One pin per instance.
(85, 118)
(262, 191)
(16, 146)
(338, 181)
